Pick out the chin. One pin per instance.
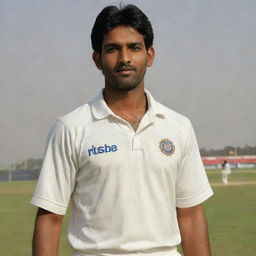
(128, 88)
(122, 85)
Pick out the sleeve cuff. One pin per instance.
(195, 200)
(49, 205)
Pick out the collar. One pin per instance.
(154, 107)
(101, 110)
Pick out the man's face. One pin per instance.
(124, 58)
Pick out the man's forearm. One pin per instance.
(194, 231)
(46, 233)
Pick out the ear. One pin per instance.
(151, 56)
(97, 59)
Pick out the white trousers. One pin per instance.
(225, 177)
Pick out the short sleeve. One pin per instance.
(57, 177)
(192, 185)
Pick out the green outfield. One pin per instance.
(231, 216)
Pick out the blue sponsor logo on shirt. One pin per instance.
(102, 149)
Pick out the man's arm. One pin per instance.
(194, 231)
(46, 233)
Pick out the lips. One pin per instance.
(125, 70)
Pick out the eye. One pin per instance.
(111, 49)
(136, 47)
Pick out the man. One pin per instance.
(226, 170)
(130, 165)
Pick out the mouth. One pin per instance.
(125, 71)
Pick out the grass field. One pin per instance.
(231, 216)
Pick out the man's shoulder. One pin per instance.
(173, 116)
(76, 117)
(168, 113)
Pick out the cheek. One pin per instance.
(141, 59)
(106, 68)
(141, 63)
(109, 61)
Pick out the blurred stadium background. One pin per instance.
(238, 158)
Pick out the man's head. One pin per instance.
(111, 17)
(122, 42)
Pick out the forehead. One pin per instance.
(123, 34)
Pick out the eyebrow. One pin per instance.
(135, 43)
(117, 44)
(111, 45)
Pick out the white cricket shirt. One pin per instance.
(124, 185)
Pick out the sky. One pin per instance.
(204, 67)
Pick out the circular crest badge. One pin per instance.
(167, 147)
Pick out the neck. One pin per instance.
(125, 101)
(129, 105)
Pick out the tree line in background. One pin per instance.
(35, 164)
(28, 164)
(229, 151)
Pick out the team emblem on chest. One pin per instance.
(167, 147)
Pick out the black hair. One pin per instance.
(224, 163)
(112, 16)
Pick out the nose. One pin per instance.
(124, 56)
